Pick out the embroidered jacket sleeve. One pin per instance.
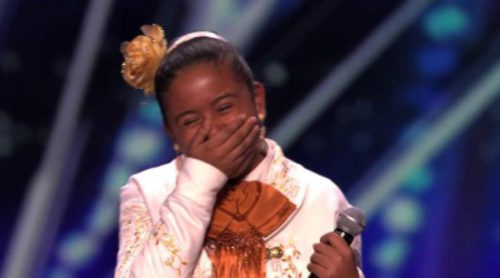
(168, 242)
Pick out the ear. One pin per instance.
(259, 98)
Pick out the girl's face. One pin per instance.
(210, 93)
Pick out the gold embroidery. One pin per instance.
(280, 176)
(136, 228)
(161, 236)
(275, 252)
(135, 225)
(283, 263)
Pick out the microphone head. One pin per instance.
(351, 221)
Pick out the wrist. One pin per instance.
(199, 181)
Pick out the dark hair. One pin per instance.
(195, 51)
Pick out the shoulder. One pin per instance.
(149, 187)
(317, 186)
(162, 175)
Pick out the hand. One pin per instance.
(332, 258)
(231, 149)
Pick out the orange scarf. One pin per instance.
(244, 215)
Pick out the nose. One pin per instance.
(215, 125)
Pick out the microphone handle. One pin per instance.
(343, 234)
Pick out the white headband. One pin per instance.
(194, 35)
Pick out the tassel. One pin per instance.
(241, 254)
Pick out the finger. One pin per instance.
(321, 260)
(240, 134)
(334, 252)
(244, 160)
(243, 145)
(242, 166)
(317, 269)
(221, 137)
(200, 135)
(334, 240)
(324, 249)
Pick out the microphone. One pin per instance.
(350, 223)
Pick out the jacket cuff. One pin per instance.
(199, 182)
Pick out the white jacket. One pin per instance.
(165, 212)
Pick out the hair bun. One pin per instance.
(142, 58)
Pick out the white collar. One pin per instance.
(260, 172)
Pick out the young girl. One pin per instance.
(231, 204)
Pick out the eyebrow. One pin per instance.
(223, 96)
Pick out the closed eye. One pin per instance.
(190, 122)
(224, 108)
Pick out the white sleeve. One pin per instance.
(171, 246)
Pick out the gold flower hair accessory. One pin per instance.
(142, 58)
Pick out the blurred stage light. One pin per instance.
(140, 143)
(446, 22)
(419, 180)
(276, 74)
(341, 76)
(403, 215)
(59, 273)
(77, 249)
(149, 112)
(102, 220)
(115, 177)
(390, 254)
(434, 135)
(424, 97)
(436, 61)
